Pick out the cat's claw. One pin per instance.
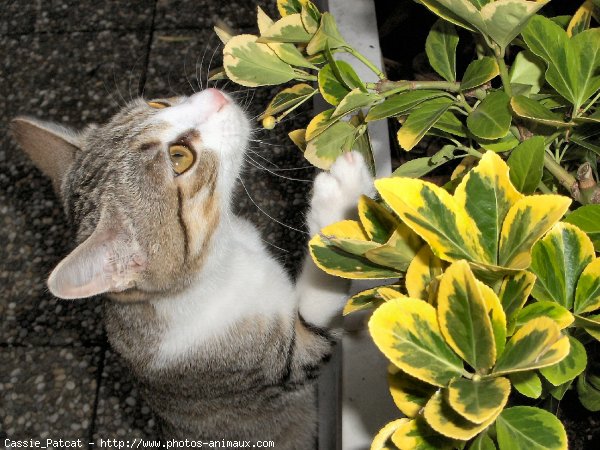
(336, 193)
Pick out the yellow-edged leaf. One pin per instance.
(514, 291)
(443, 419)
(390, 292)
(587, 294)
(383, 436)
(398, 251)
(526, 221)
(407, 332)
(434, 215)
(463, 317)
(298, 137)
(424, 268)
(378, 222)
(409, 394)
(552, 310)
(416, 434)
(477, 401)
(538, 343)
(497, 316)
(487, 194)
(581, 19)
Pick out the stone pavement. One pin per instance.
(75, 62)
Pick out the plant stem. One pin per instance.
(503, 72)
(387, 87)
(583, 111)
(563, 177)
(366, 62)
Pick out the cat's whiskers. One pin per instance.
(187, 78)
(259, 166)
(268, 215)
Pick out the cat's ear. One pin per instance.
(108, 261)
(51, 147)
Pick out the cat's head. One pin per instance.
(146, 191)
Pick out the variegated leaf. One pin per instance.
(416, 434)
(558, 259)
(339, 263)
(420, 120)
(286, 29)
(525, 223)
(477, 401)
(323, 150)
(434, 215)
(253, 64)
(497, 317)
(581, 19)
(407, 332)
(524, 427)
(488, 188)
(423, 269)
(552, 310)
(443, 419)
(319, 124)
(409, 394)
(366, 299)
(571, 366)
(327, 36)
(378, 222)
(463, 317)
(382, 439)
(287, 7)
(538, 343)
(514, 291)
(398, 251)
(401, 103)
(288, 98)
(587, 294)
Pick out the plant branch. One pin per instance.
(366, 62)
(563, 177)
(387, 87)
(503, 72)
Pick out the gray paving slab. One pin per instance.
(26, 16)
(74, 79)
(121, 412)
(47, 393)
(179, 65)
(203, 14)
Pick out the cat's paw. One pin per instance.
(336, 193)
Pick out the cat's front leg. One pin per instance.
(335, 198)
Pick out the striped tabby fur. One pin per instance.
(208, 322)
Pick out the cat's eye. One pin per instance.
(157, 104)
(182, 158)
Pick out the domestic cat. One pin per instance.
(221, 342)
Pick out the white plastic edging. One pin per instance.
(354, 400)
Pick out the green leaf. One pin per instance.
(526, 164)
(479, 72)
(416, 168)
(587, 218)
(477, 401)
(528, 69)
(491, 119)
(589, 395)
(323, 150)
(533, 110)
(252, 64)
(587, 295)
(551, 43)
(421, 120)
(327, 36)
(463, 318)
(536, 344)
(527, 383)
(558, 260)
(567, 369)
(449, 123)
(416, 434)
(482, 442)
(407, 333)
(554, 311)
(290, 54)
(514, 291)
(354, 100)
(440, 47)
(503, 144)
(398, 104)
(524, 427)
(288, 98)
(586, 46)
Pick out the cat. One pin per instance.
(221, 342)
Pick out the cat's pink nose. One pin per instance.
(208, 102)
